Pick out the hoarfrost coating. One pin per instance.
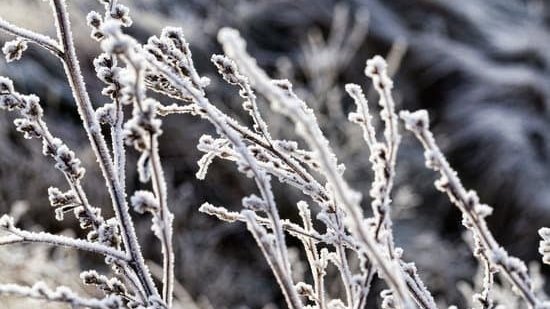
(359, 247)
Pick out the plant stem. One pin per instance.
(99, 146)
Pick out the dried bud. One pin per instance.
(108, 233)
(135, 135)
(220, 212)
(227, 69)
(106, 114)
(50, 148)
(83, 216)
(97, 34)
(104, 61)
(32, 108)
(416, 121)
(122, 13)
(117, 42)
(30, 129)
(14, 49)
(175, 35)
(255, 203)
(94, 20)
(483, 210)
(375, 66)
(6, 85)
(116, 286)
(92, 277)
(6, 222)
(58, 198)
(288, 146)
(144, 201)
(68, 163)
(305, 290)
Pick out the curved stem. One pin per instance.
(60, 294)
(31, 36)
(19, 236)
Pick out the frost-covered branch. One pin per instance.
(31, 36)
(383, 157)
(284, 101)
(32, 125)
(183, 77)
(19, 236)
(358, 247)
(143, 131)
(231, 216)
(60, 294)
(99, 145)
(474, 212)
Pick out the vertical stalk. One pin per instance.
(159, 186)
(99, 146)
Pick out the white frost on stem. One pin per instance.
(474, 213)
(20, 236)
(60, 294)
(283, 100)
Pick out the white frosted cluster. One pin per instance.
(376, 69)
(220, 212)
(6, 222)
(283, 100)
(95, 21)
(362, 116)
(144, 121)
(68, 163)
(228, 70)
(144, 201)
(171, 49)
(6, 86)
(255, 203)
(115, 42)
(106, 114)
(28, 107)
(121, 13)
(108, 233)
(108, 285)
(415, 121)
(13, 50)
(107, 70)
(62, 201)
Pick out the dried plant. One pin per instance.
(359, 247)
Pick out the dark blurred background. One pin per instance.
(480, 67)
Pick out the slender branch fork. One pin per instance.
(99, 145)
(65, 50)
(279, 263)
(159, 187)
